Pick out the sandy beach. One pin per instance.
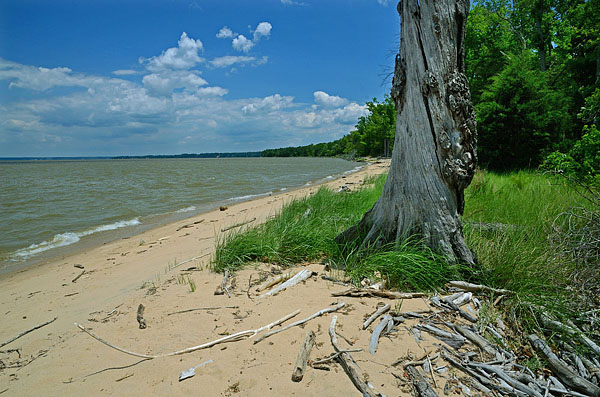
(103, 291)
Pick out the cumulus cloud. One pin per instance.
(225, 33)
(228, 60)
(262, 30)
(241, 43)
(324, 99)
(125, 72)
(268, 104)
(184, 56)
(383, 2)
(166, 82)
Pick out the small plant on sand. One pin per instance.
(191, 283)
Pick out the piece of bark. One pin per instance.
(375, 315)
(561, 370)
(360, 292)
(349, 366)
(465, 286)
(28, 331)
(383, 324)
(303, 354)
(423, 387)
(228, 338)
(300, 322)
(301, 276)
(140, 317)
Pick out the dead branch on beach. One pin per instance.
(360, 292)
(238, 225)
(77, 278)
(28, 331)
(229, 338)
(301, 276)
(303, 354)
(203, 308)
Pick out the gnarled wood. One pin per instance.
(434, 153)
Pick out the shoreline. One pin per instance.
(143, 223)
(118, 276)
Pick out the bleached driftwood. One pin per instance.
(375, 315)
(140, 317)
(351, 369)
(561, 370)
(358, 292)
(571, 331)
(299, 322)
(28, 331)
(229, 338)
(303, 354)
(188, 373)
(454, 340)
(203, 308)
(477, 340)
(238, 225)
(383, 324)
(460, 311)
(274, 281)
(333, 356)
(465, 286)
(189, 260)
(301, 276)
(511, 381)
(423, 387)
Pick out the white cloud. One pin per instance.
(225, 33)
(324, 99)
(292, 3)
(165, 83)
(228, 60)
(383, 2)
(184, 56)
(125, 72)
(262, 30)
(241, 43)
(268, 104)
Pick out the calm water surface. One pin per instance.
(45, 205)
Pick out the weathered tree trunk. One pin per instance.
(434, 154)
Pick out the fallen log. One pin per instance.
(299, 322)
(349, 366)
(303, 354)
(360, 292)
(561, 370)
(28, 331)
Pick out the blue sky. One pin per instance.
(110, 77)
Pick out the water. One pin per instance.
(45, 205)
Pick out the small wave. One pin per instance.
(329, 177)
(186, 209)
(63, 239)
(355, 169)
(250, 196)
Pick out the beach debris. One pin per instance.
(274, 281)
(228, 338)
(420, 382)
(299, 277)
(465, 286)
(77, 278)
(224, 288)
(188, 373)
(78, 266)
(350, 366)
(188, 260)
(140, 316)
(129, 375)
(71, 294)
(300, 322)
(303, 354)
(386, 322)
(27, 331)
(203, 308)
(223, 208)
(238, 225)
(383, 309)
(360, 292)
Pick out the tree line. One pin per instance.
(534, 73)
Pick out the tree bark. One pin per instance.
(434, 154)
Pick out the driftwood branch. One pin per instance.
(333, 356)
(477, 340)
(561, 370)
(77, 278)
(203, 308)
(189, 260)
(351, 369)
(238, 225)
(423, 387)
(303, 354)
(465, 286)
(299, 322)
(140, 316)
(383, 324)
(28, 331)
(377, 313)
(301, 276)
(229, 338)
(273, 281)
(360, 292)
(221, 289)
